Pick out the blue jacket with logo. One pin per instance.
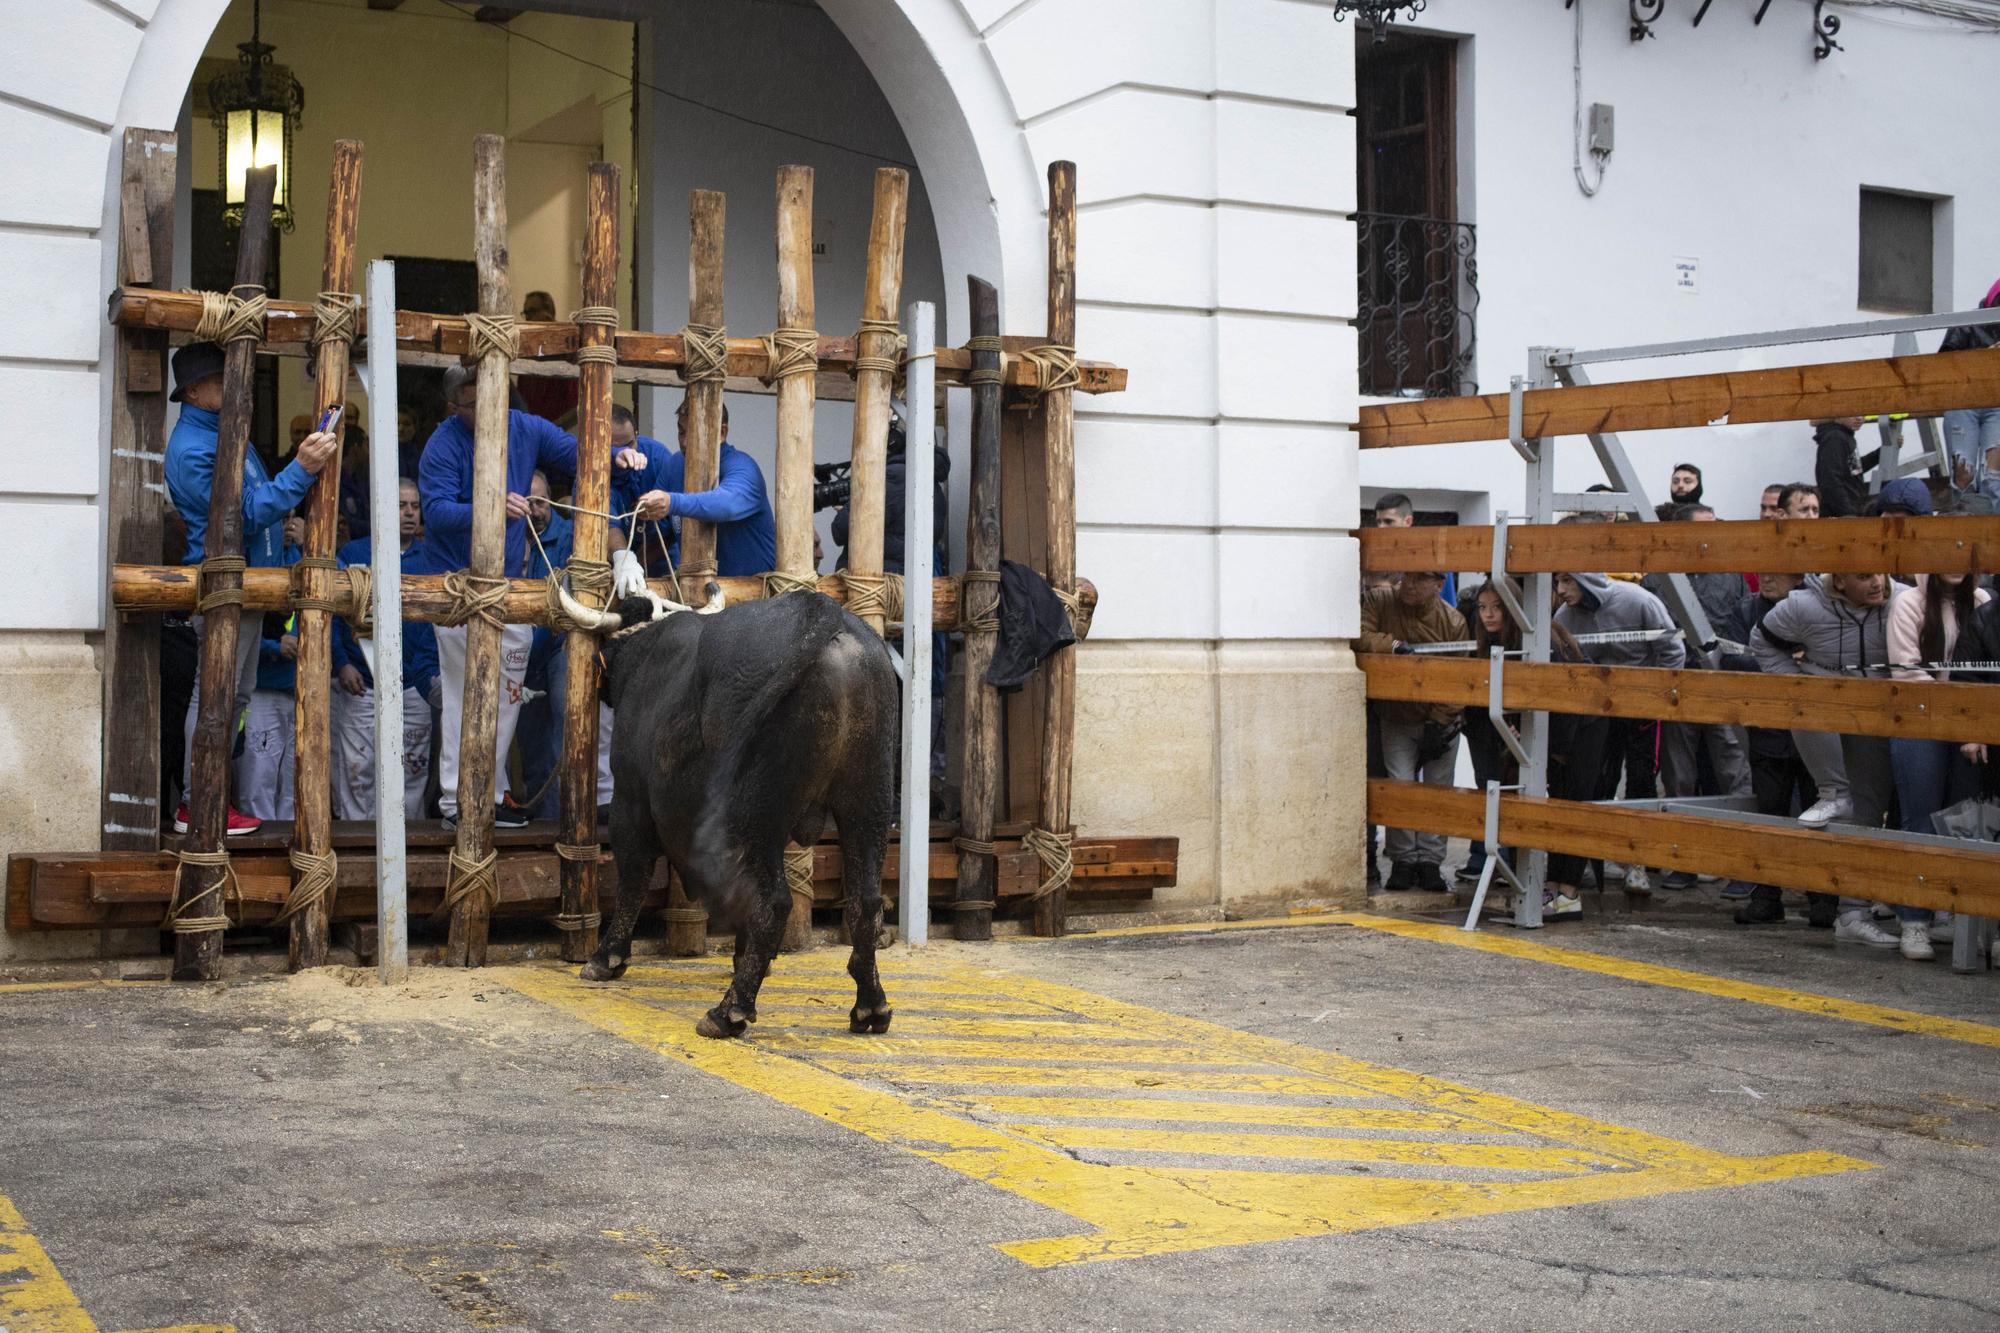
(444, 479)
(190, 472)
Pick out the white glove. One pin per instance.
(628, 577)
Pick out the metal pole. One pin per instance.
(1539, 493)
(392, 918)
(1556, 357)
(920, 436)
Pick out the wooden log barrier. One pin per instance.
(1919, 710)
(578, 915)
(1897, 544)
(471, 895)
(1962, 878)
(313, 859)
(980, 599)
(197, 914)
(135, 474)
(1053, 834)
(874, 382)
(793, 510)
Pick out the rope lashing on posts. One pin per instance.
(1072, 602)
(1057, 364)
(988, 623)
(177, 919)
(606, 352)
(486, 334)
(777, 583)
(335, 319)
(589, 581)
(465, 877)
(473, 596)
(300, 599)
(868, 353)
(207, 598)
(317, 876)
(874, 594)
(704, 354)
(986, 342)
(1053, 850)
(978, 848)
(236, 315)
(790, 351)
(361, 585)
(799, 872)
(588, 853)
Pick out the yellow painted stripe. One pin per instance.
(1225, 1113)
(706, 996)
(21, 987)
(1701, 983)
(1059, 1076)
(1301, 1147)
(833, 989)
(841, 1043)
(33, 1296)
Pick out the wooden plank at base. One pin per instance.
(1920, 385)
(1919, 710)
(1816, 860)
(1959, 544)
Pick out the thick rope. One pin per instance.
(1073, 602)
(606, 352)
(799, 872)
(317, 876)
(486, 334)
(868, 353)
(975, 846)
(177, 919)
(704, 354)
(465, 877)
(874, 594)
(300, 599)
(790, 351)
(1053, 849)
(589, 582)
(236, 315)
(1057, 364)
(207, 598)
(567, 921)
(473, 596)
(684, 915)
(986, 342)
(778, 583)
(588, 852)
(335, 319)
(967, 621)
(361, 586)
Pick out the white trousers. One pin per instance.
(265, 770)
(247, 643)
(515, 640)
(354, 753)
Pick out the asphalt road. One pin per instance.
(1307, 1127)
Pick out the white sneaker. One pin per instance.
(1855, 928)
(1881, 911)
(1917, 942)
(1821, 813)
(1941, 929)
(1559, 906)
(1636, 881)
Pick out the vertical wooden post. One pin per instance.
(480, 711)
(980, 601)
(579, 910)
(687, 924)
(133, 785)
(873, 385)
(796, 393)
(312, 830)
(198, 888)
(1059, 721)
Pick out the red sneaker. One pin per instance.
(239, 823)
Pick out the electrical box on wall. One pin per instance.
(1600, 140)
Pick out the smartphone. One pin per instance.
(330, 417)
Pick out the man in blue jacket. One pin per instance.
(444, 479)
(190, 469)
(746, 532)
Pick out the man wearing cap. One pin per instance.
(190, 468)
(444, 477)
(1419, 741)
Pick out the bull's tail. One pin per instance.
(714, 850)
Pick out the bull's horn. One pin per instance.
(593, 622)
(712, 591)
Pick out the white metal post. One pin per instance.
(920, 436)
(385, 494)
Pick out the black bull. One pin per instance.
(736, 733)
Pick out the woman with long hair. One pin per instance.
(1930, 775)
(1576, 744)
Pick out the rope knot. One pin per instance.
(318, 874)
(878, 345)
(179, 918)
(600, 316)
(207, 597)
(473, 596)
(234, 316)
(790, 351)
(978, 622)
(487, 334)
(777, 583)
(300, 583)
(1053, 851)
(465, 877)
(874, 594)
(589, 583)
(704, 354)
(335, 319)
(799, 871)
(1056, 364)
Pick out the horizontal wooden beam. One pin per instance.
(1923, 385)
(1960, 544)
(1916, 710)
(289, 325)
(1814, 860)
(171, 588)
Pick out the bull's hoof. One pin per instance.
(861, 1020)
(720, 1026)
(602, 969)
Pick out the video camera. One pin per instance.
(832, 482)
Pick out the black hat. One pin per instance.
(193, 364)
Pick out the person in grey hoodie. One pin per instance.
(1837, 625)
(1597, 604)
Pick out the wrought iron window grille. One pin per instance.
(1418, 306)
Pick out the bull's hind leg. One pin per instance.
(635, 844)
(861, 879)
(756, 942)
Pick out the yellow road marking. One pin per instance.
(34, 1298)
(19, 987)
(1230, 1113)
(836, 1008)
(1132, 1210)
